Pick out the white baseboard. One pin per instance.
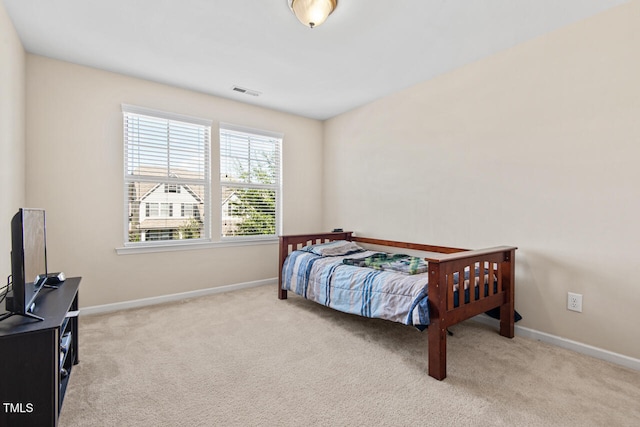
(107, 308)
(578, 347)
(598, 353)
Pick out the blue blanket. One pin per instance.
(363, 291)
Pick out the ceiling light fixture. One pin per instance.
(312, 12)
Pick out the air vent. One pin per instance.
(246, 91)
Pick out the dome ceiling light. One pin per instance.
(312, 12)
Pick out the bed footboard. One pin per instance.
(447, 307)
(497, 265)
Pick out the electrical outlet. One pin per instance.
(574, 302)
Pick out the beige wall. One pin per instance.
(75, 172)
(537, 147)
(12, 139)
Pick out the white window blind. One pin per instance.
(250, 181)
(166, 161)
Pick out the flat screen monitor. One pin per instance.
(28, 259)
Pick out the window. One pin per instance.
(156, 235)
(171, 188)
(158, 210)
(189, 210)
(166, 161)
(249, 181)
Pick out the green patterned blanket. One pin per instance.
(395, 262)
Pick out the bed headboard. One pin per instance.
(292, 242)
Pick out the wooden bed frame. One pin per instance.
(443, 262)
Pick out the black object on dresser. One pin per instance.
(36, 358)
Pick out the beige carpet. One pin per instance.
(245, 358)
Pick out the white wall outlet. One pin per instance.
(574, 302)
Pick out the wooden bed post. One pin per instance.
(507, 310)
(437, 331)
(284, 251)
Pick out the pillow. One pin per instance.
(335, 248)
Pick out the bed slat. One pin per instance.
(492, 274)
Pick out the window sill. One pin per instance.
(140, 249)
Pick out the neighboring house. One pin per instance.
(230, 221)
(165, 211)
(168, 211)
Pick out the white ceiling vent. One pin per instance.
(246, 91)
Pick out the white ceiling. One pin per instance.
(365, 50)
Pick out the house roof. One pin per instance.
(141, 189)
(146, 188)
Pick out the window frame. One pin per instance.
(167, 180)
(277, 187)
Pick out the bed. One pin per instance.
(456, 285)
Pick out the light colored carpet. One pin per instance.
(245, 358)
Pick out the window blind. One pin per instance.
(250, 181)
(166, 162)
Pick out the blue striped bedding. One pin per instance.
(357, 290)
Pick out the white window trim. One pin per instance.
(279, 215)
(166, 115)
(164, 245)
(188, 246)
